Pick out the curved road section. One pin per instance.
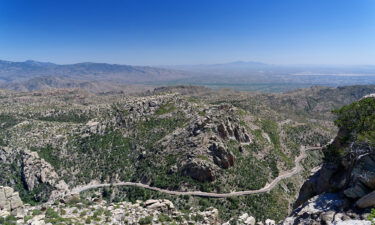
(266, 188)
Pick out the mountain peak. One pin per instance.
(37, 63)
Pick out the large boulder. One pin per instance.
(246, 219)
(10, 201)
(162, 205)
(367, 200)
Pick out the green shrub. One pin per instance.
(49, 154)
(164, 218)
(36, 212)
(166, 108)
(145, 220)
(83, 213)
(108, 213)
(9, 220)
(371, 217)
(7, 121)
(358, 120)
(62, 212)
(197, 218)
(25, 219)
(88, 220)
(50, 213)
(73, 117)
(98, 212)
(357, 124)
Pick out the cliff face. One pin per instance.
(344, 186)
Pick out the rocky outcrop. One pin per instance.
(330, 209)
(318, 183)
(344, 186)
(343, 191)
(199, 170)
(33, 171)
(199, 126)
(222, 157)
(10, 202)
(205, 142)
(353, 176)
(36, 170)
(369, 96)
(136, 109)
(228, 130)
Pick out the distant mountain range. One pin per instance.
(251, 76)
(13, 71)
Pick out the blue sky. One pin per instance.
(156, 32)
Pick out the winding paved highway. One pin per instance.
(268, 187)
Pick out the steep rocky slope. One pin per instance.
(344, 185)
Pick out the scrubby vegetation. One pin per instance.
(357, 120)
(102, 156)
(152, 139)
(371, 217)
(7, 121)
(357, 124)
(152, 130)
(70, 116)
(165, 108)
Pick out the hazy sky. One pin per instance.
(189, 31)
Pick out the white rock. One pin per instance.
(62, 185)
(250, 221)
(2, 198)
(8, 192)
(4, 213)
(15, 201)
(37, 220)
(246, 219)
(369, 96)
(243, 217)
